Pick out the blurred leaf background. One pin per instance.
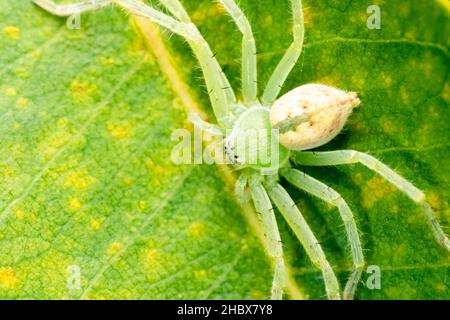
(86, 178)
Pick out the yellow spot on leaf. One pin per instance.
(309, 15)
(20, 214)
(12, 32)
(128, 181)
(200, 274)
(158, 170)
(8, 279)
(411, 34)
(328, 80)
(78, 179)
(107, 61)
(358, 81)
(387, 80)
(151, 257)
(62, 123)
(267, 21)
(22, 102)
(96, 224)
(196, 229)
(416, 218)
(82, 90)
(404, 94)
(22, 73)
(10, 92)
(204, 12)
(405, 9)
(446, 92)
(138, 46)
(441, 287)
(362, 17)
(114, 248)
(232, 235)
(401, 293)
(257, 295)
(395, 209)
(399, 250)
(387, 125)
(118, 132)
(375, 189)
(435, 201)
(143, 205)
(74, 204)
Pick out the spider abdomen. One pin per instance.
(322, 111)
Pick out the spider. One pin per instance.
(306, 117)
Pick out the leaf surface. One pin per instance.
(87, 183)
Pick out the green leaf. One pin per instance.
(87, 183)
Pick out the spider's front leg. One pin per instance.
(289, 59)
(66, 10)
(333, 158)
(249, 63)
(264, 207)
(205, 126)
(322, 191)
(219, 89)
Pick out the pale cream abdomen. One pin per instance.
(324, 108)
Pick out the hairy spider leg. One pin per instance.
(177, 9)
(298, 224)
(309, 184)
(289, 59)
(183, 29)
(66, 10)
(249, 63)
(275, 249)
(220, 92)
(205, 126)
(212, 71)
(333, 158)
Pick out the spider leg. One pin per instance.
(289, 59)
(322, 191)
(210, 128)
(186, 30)
(249, 63)
(333, 158)
(294, 218)
(221, 94)
(219, 88)
(66, 10)
(264, 207)
(176, 8)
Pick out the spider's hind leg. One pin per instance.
(333, 158)
(322, 191)
(66, 10)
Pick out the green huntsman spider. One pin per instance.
(307, 117)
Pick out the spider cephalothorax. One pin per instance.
(304, 118)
